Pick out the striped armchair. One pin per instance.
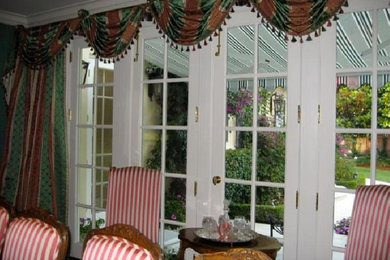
(133, 198)
(6, 213)
(36, 234)
(117, 242)
(369, 233)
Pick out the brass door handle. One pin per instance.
(216, 180)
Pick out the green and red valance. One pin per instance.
(189, 22)
(39, 45)
(110, 33)
(298, 17)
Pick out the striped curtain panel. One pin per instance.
(33, 170)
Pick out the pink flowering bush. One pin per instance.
(240, 104)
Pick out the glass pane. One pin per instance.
(84, 186)
(354, 42)
(151, 149)
(175, 199)
(270, 211)
(99, 110)
(85, 106)
(383, 100)
(342, 217)
(383, 37)
(353, 104)
(239, 102)
(238, 157)
(352, 160)
(178, 63)
(338, 256)
(154, 59)
(108, 91)
(105, 72)
(87, 67)
(272, 102)
(85, 224)
(240, 53)
(107, 161)
(107, 143)
(382, 174)
(108, 108)
(177, 103)
(272, 51)
(271, 151)
(85, 145)
(171, 241)
(239, 196)
(152, 104)
(101, 195)
(176, 151)
(99, 140)
(100, 219)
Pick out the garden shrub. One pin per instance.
(237, 209)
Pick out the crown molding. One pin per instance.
(12, 18)
(70, 11)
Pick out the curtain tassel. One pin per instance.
(308, 39)
(193, 48)
(210, 39)
(323, 29)
(329, 24)
(346, 4)
(286, 37)
(316, 33)
(293, 39)
(253, 10)
(335, 18)
(258, 15)
(188, 48)
(205, 43)
(301, 40)
(199, 46)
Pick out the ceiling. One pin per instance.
(28, 7)
(31, 13)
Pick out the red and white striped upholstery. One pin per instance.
(30, 238)
(4, 219)
(133, 198)
(112, 247)
(369, 233)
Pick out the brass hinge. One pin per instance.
(195, 188)
(70, 114)
(196, 114)
(299, 114)
(137, 48)
(319, 113)
(218, 45)
(317, 198)
(70, 56)
(296, 199)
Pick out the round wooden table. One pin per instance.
(188, 239)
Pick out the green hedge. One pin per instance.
(237, 209)
(352, 184)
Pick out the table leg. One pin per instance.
(182, 250)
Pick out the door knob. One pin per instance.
(216, 180)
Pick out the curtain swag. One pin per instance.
(182, 22)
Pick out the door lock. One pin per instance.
(216, 180)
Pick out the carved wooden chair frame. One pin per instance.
(234, 254)
(130, 233)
